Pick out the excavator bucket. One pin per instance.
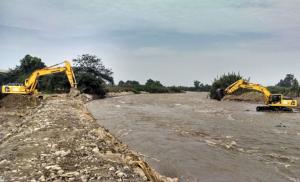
(220, 94)
(74, 92)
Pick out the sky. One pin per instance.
(173, 41)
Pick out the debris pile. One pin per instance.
(59, 140)
(254, 97)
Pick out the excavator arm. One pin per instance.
(30, 84)
(251, 86)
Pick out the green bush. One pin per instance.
(114, 88)
(174, 89)
(150, 86)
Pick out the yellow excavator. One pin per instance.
(29, 87)
(273, 102)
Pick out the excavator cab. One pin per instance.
(275, 98)
(279, 102)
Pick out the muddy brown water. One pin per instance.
(197, 139)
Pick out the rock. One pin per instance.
(140, 172)
(100, 133)
(62, 153)
(111, 169)
(71, 174)
(126, 168)
(42, 178)
(233, 143)
(84, 178)
(4, 162)
(120, 174)
(60, 172)
(96, 150)
(53, 167)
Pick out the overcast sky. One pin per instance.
(174, 41)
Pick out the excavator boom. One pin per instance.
(30, 84)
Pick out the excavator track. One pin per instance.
(273, 109)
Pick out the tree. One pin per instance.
(151, 82)
(91, 74)
(288, 86)
(295, 88)
(2, 78)
(131, 83)
(93, 65)
(30, 64)
(27, 65)
(287, 82)
(152, 86)
(121, 83)
(197, 84)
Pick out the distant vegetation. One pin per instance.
(154, 86)
(288, 86)
(151, 86)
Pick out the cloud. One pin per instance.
(251, 3)
(133, 35)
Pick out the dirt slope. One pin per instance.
(59, 140)
(254, 97)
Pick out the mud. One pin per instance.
(197, 139)
(58, 140)
(15, 101)
(253, 97)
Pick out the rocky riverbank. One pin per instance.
(58, 139)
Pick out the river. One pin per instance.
(197, 139)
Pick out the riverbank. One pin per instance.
(58, 139)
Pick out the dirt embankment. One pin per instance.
(59, 140)
(253, 97)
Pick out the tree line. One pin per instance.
(94, 77)
(155, 86)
